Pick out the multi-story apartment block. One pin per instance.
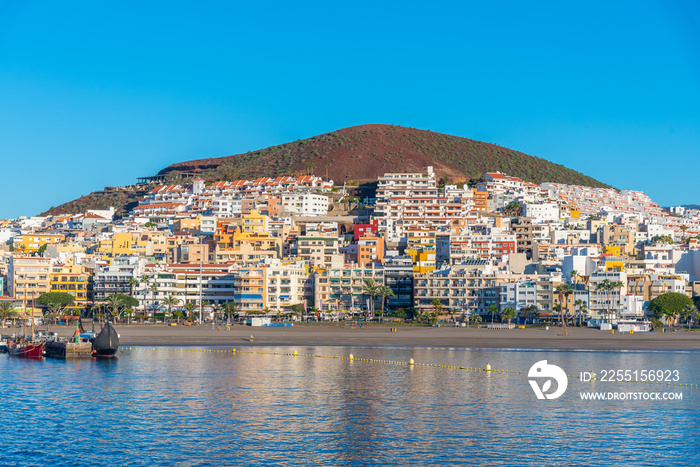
(398, 275)
(30, 243)
(464, 289)
(72, 279)
(318, 250)
(370, 249)
(288, 284)
(342, 289)
(28, 279)
(115, 278)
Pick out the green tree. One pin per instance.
(399, 313)
(385, 292)
(508, 313)
(670, 305)
(690, 313)
(662, 239)
(115, 301)
(436, 309)
(493, 309)
(133, 282)
(7, 310)
(564, 290)
(190, 307)
(57, 302)
(118, 302)
(371, 288)
(230, 310)
(514, 208)
(170, 301)
(475, 319)
(42, 249)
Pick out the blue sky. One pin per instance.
(95, 94)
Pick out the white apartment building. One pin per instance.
(287, 284)
(543, 212)
(305, 204)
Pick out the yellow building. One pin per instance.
(126, 244)
(423, 259)
(612, 256)
(71, 278)
(254, 222)
(31, 243)
(186, 223)
(230, 243)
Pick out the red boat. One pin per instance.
(26, 349)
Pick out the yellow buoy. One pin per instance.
(488, 367)
(411, 362)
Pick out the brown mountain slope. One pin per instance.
(362, 153)
(359, 154)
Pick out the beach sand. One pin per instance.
(340, 334)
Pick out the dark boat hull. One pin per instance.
(106, 343)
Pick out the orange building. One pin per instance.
(480, 200)
(370, 248)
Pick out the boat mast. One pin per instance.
(24, 309)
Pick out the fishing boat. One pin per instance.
(106, 343)
(26, 349)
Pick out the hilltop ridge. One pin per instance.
(354, 154)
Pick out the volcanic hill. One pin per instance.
(355, 154)
(363, 153)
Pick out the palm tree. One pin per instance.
(146, 281)
(133, 282)
(508, 313)
(564, 290)
(689, 313)
(618, 286)
(154, 289)
(385, 292)
(436, 306)
(577, 309)
(574, 276)
(229, 309)
(605, 286)
(371, 288)
(582, 311)
(218, 312)
(171, 301)
(493, 309)
(115, 301)
(6, 310)
(190, 307)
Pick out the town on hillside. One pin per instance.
(303, 248)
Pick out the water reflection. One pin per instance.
(166, 406)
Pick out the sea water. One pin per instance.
(265, 406)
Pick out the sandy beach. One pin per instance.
(340, 334)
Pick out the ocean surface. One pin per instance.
(202, 406)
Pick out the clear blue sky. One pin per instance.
(95, 94)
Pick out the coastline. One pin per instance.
(380, 335)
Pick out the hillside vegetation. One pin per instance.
(355, 154)
(362, 153)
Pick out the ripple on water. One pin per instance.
(158, 407)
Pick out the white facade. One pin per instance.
(305, 205)
(543, 212)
